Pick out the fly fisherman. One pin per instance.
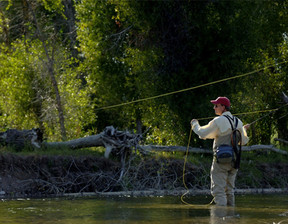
(223, 175)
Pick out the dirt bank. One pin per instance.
(40, 176)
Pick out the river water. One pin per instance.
(144, 210)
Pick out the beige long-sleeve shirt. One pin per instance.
(220, 130)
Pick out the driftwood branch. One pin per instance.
(174, 149)
(281, 140)
(121, 143)
(264, 147)
(21, 138)
(208, 151)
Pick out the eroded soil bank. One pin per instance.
(41, 176)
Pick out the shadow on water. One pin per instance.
(248, 209)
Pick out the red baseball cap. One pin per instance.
(221, 100)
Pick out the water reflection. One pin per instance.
(223, 214)
(153, 210)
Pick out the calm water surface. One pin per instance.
(152, 210)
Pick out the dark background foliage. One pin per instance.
(105, 53)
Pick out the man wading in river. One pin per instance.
(223, 170)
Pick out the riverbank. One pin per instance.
(45, 176)
(190, 192)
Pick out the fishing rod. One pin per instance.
(285, 98)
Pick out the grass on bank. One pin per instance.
(63, 151)
(195, 158)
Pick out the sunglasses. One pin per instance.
(216, 106)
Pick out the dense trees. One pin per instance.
(63, 62)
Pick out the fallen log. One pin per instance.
(119, 142)
(281, 140)
(86, 142)
(22, 138)
(265, 147)
(174, 149)
(208, 151)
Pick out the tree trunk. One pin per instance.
(50, 66)
(70, 15)
(4, 27)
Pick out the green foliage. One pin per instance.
(263, 91)
(119, 71)
(122, 51)
(26, 92)
(53, 5)
(16, 82)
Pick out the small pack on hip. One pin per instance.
(225, 154)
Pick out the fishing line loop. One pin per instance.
(187, 89)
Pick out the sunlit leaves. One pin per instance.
(53, 5)
(130, 50)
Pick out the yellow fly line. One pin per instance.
(188, 89)
(187, 152)
(239, 114)
(191, 88)
(183, 176)
(184, 168)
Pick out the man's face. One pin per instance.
(219, 109)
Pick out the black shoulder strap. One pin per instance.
(237, 148)
(230, 121)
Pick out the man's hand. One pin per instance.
(193, 121)
(246, 126)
